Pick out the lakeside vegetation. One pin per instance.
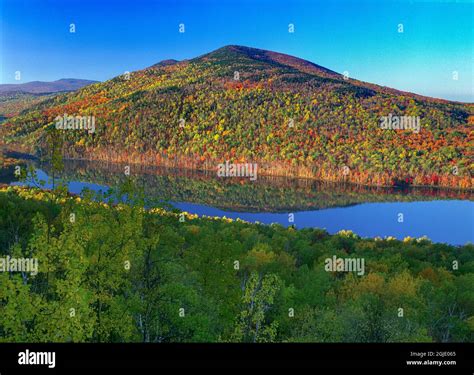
(121, 273)
(266, 194)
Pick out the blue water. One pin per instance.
(446, 221)
(441, 221)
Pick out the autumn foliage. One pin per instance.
(292, 117)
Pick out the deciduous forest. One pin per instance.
(128, 271)
(249, 105)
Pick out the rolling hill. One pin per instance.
(242, 104)
(39, 87)
(15, 98)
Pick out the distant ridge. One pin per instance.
(39, 87)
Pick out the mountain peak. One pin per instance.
(232, 51)
(241, 49)
(166, 62)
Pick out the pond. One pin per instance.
(443, 216)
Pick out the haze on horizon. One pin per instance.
(361, 38)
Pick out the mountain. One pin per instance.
(38, 87)
(231, 54)
(243, 104)
(15, 98)
(166, 63)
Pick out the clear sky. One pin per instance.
(360, 37)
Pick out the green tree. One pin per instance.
(259, 294)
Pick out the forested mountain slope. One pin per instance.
(248, 105)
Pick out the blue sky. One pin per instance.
(360, 37)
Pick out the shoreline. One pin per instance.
(21, 190)
(181, 163)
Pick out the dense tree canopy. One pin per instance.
(288, 115)
(122, 273)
